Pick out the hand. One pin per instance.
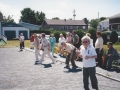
(80, 56)
(87, 57)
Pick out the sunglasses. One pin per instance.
(84, 41)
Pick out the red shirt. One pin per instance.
(31, 38)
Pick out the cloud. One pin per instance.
(8, 10)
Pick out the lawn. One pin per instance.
(15, 43)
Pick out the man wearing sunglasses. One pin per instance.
(88, 54)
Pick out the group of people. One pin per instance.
(85, 49)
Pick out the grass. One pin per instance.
(15, 43)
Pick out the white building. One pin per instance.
(103, 25)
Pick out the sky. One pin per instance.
(62, 8)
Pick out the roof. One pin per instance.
(1, 18)
(106, 20)
(11, 24)
(30, 26)
(115, 16)
(64, 22)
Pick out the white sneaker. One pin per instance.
(53, 62)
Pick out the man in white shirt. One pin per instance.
(21, 39)
(88, 54)
(71, 54)
(99, 48)
(46, 45)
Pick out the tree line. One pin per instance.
(35, 17)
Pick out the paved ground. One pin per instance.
(18, 72)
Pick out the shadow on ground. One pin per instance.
(47, 65)
(74, 70)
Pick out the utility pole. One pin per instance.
(98, 15)
(74, 15)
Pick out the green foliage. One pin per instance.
(92, 31)
(80, 33)
(8, 19)
(40, 28)
(47, 32)
(104, 36)
(30, 16)
(86, 20)
(113, 37)
(102, 18)
(94, 23)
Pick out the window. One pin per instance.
(83, 27)
(118, 27)
(71, 27)
(77, 27)
(65, 27)
(111, 27)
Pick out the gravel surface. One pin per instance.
(18, 72)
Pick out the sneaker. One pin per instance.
(53, 62)
(67, 66)
(38, 62)
(75, 67)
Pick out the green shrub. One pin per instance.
(113, 37)
(104, 36)
(92, 31)
(80, 33)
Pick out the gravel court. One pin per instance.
(18, 72)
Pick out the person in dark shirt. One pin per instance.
(111, 55)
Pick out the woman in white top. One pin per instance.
(61, 51)
(99, 48)
(91, 40)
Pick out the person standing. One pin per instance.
(99, 48)
(52, 43)
(68, 37)
(61, 50)
(23, 38)
(31, 41)
(76, 42)
(71, 54)
(91, 40)
(37, 45)
(46, 46)
(111, 55)
(88, 54)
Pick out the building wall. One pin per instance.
(104, 25)
(17, 29)
(66, 27)
(115, 20)
(114, 24)
(0, 30)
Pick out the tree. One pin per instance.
(86, 20)
(113, 37)
(104, 36)
(102, 18)
(80, 33)
(30, 16)
(56, 18)
(92, 31)
(8, 19)
(94, 23)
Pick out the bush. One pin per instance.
(80, 33)
(113, 37)
(47, 32)
(92, 31)
(104, 36)
(57, 34)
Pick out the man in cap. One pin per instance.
(46, 45)
(71, 54)
(22, 37)
(111, 55)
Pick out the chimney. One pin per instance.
(64, 19)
